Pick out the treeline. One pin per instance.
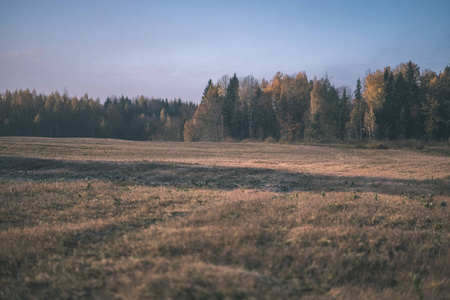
(289, 108)
(400, 103)
(25, 113)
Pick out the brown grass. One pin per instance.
(105, 219)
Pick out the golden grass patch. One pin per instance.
(95, 219)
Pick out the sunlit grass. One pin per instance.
(135, 220)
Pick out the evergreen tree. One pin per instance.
(387, 125)
(342, 113)
(402, 112)
(205, 91)
(430, 110)
(356, 123)
(230, 111)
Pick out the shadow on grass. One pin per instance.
(189, 176)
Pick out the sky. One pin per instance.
(170, 49)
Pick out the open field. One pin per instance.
(113, 219)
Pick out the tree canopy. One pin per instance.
(393, 103)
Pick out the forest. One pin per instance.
(390, 104)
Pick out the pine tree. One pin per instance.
(358, 114)
(431, 112)
(205, 91)
(230, 112)
(343, 111)
(387, 115)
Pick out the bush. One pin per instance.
(229, 139)
(377, 145)
(250, 141)
(284, 140)
(270, 140)
(407, 144)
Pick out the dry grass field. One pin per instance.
(112, 219)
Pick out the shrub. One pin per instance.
(229, 139)
(270, 140)
(377, 145)
(250, 141)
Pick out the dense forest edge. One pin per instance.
(393, 104)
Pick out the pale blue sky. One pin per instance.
(170, 49)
